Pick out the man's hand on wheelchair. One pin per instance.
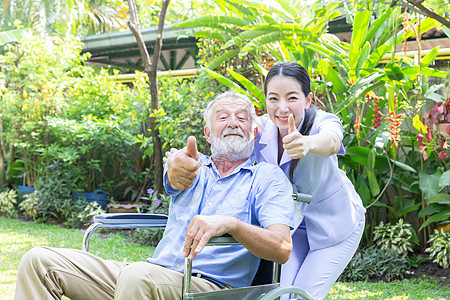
(182, 165)
(201, 229)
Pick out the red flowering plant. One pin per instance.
(434, 130)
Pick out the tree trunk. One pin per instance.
(151, 67)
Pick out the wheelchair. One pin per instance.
(265, 285)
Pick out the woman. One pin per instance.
(304, 142)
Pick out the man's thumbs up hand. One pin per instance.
(191, 147)
(182, 166)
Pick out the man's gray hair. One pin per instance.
(229, 95)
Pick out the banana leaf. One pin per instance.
(429, 58)
(378, 24)
(219, 60)
(360, 26)
(14, 35)
(232, 85)
(250, 87)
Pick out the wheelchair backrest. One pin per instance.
(264, 275)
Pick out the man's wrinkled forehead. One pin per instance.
(228, 104)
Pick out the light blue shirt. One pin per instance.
(257, 194)
(336, 209)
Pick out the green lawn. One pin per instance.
(16, 237)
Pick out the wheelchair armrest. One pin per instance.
(123, 221)
(131, 219)
(225, 239)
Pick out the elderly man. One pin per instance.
(229, 194)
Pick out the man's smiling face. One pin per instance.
(232, 132)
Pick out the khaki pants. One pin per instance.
(50, 273)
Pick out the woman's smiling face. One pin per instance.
(284, 97)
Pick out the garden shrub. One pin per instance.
(34, 78)
(87, 215)
(398, 237)
(95, 93)
(8, 202)
(30, 205)
(373, 263)
(440, 248)
(54, 198)
(54, 106)
(97, 151)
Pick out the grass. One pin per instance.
(17, 237)
(411, 289)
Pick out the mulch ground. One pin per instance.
(430, 269)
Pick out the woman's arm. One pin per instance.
(324, 143)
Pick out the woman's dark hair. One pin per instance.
(298, 73)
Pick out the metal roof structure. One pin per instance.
(120, 49)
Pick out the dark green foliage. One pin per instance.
(373, 263)
(53, 199)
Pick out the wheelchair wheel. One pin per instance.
(296, 293)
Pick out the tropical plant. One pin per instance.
(430, 137)
(438, 10)
(64, 17)
(159, 204)
(8, 202)
(179, 10)
(14, 35)
(374, 263)
(256, 28)
(54, 193)
(375, 93)
(94, 92)
(440, 248)
(399, 237)
(55, 108)
(438, 203)
(91, 210)
(30, 205)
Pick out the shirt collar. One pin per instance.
(208, 162)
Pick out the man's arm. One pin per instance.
(272, 243)
(182, 166)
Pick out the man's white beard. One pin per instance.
(232, 147)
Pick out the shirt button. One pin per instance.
(220, 182)
(178, 266)
(209, 203)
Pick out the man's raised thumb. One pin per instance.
(192, 147)
(291, 123)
